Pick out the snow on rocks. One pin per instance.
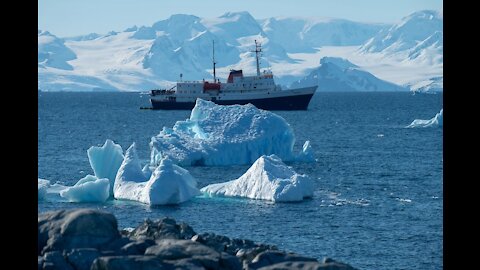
(168, 184)
(217, 135)
(436, 121)
(267, 179)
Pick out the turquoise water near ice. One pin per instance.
(378, 200)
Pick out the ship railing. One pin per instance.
(156, 92)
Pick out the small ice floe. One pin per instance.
(267, 179)
(88, 189)
(335, 200)
(436, 121)
(404, 200)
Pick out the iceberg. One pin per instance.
(88, 189)
(105, 161)
(267, 179)
(43, 185)
(436, 121)
(219, 135)
(168, 184)
(49, 192)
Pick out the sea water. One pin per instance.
(378, 200)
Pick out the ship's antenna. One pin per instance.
(213, 58)
(258, 49)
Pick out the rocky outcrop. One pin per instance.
(83, 239)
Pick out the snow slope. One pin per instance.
(303, 35)
(52, 52)
(407, 34)
(338, 74)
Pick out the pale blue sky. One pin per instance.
(77, 17)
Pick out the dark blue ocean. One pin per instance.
(378, 201)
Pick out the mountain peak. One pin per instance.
(236, 15)
(183, 18)
(340, 62)
(424, 15)
(405, 35)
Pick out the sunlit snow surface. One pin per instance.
(217, 135)
(267, 179)
(436, 121)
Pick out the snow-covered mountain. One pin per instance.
(339, 75)
(140, 58)
(416, 34)
(52, 52)
(304, 35)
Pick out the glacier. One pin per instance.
(168, 184)
(218, 135)
(436, 121)
(267, 179)
(105, 161)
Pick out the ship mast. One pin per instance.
(213, 58)
(258, 49)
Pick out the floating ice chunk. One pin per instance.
(105, 161)
(307, 153)
(42, 188)
(168, 184)
(49, 192)
(88, 189)
(267, 179)
(224, 135)
(436, 121)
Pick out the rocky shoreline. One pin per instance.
(89, 239)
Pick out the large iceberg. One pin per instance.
(225, 135)
(168, 184)
(267, 179)
(105, 161)
(436, 121)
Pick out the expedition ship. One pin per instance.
(259, 90)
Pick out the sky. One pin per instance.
(66, 18)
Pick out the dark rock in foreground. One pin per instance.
(86, 239)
